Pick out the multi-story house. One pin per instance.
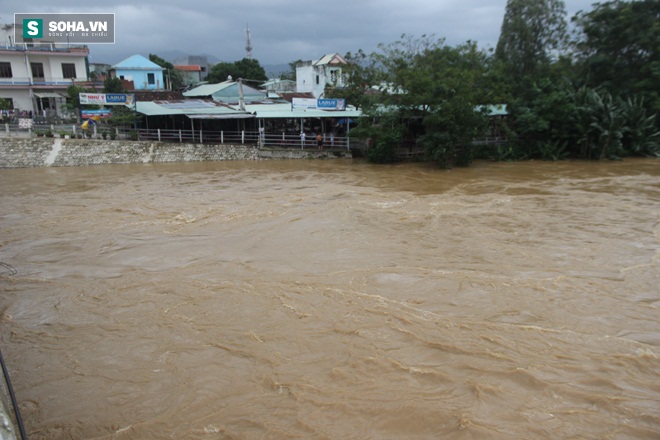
(34, 77)
(313, 76)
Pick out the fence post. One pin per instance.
(201, 141)
(7, 128)
(222, 137)
(159, 135)
(180, 138)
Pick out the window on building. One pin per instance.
(68, 70)
(37, 71)
(333, 76)
(151, 78)
(5, 70)
(318, 79)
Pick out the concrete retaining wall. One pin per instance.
(39, 152)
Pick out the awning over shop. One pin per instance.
(221, 116)
(49, 95)
(208, 109)
(286, 111)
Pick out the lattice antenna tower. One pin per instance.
(248, 45)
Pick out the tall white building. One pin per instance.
(34, 76)
(314, 76)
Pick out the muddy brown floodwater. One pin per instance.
(333, 300)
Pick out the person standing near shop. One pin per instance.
(319, 140)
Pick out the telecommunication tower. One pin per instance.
(248, 46)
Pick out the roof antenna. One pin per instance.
(248, 46)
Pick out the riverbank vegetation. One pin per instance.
(590, 92)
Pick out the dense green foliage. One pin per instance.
(4, 104)
(531, 32)
(291, 73)
(593, 96)
(247, 68)
(73, 97)
(172, 76)
(424, 93)
(112, 85)
(619, 48)
(363, 75)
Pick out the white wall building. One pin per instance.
(314, 76)
(34, 76)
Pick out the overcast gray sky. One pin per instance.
(282, 30)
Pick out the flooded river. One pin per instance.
(333, 300)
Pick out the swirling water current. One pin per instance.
(334, 300)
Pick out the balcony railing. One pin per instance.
(25, 81)
(45, 47)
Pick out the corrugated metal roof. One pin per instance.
(206, 109)
(227, 91)
(285, 110)
(187, 107)
(208, 89)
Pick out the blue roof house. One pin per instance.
(145, 74)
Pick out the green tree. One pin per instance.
(383, 132)
(221, 71)
(249, 68)
(641, 135)
(246, 68)
(611, 127)
(112, 85)
(73, 98)
(4, 105)
(291, 73)
(532, 32)
(531, 63)
(121, 116)
(360, 78)
(618, 48)
(433, 91)
(171, 74)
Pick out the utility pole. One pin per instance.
(241, 98)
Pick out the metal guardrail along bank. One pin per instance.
(262, 139)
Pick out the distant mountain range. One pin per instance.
(174, 56)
